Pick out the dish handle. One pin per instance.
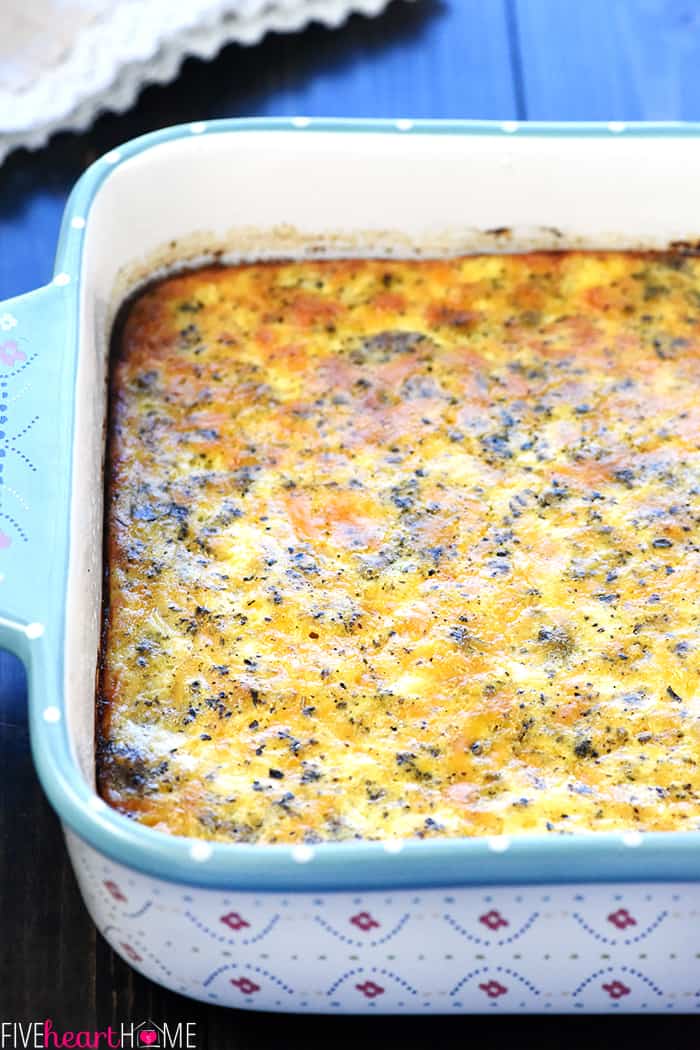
(36, 381)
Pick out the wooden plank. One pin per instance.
(32, 196)
(424, 60)
(46, 936)
(13, 694)
(609, 59)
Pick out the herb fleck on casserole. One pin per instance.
(406, 549)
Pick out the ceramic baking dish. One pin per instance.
(574, 923)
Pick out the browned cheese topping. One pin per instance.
(406, 548)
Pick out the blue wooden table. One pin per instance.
(501, 59)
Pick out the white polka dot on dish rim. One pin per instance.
(201, 851)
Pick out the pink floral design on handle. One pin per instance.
(616, 989)
(234, 921)
(493, 989)
(245, 985)
(5, 540)
(370, 989)
(622, 919)
(493, 919)
(10, 353)
(364, 921)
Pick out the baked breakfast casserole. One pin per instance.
(405, 548)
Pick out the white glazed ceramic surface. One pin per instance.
(517, 949)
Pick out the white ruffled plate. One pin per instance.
(64, 61)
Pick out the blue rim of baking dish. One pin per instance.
(32, 624)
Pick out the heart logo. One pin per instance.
(148, 1037)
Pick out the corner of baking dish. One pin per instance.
(33, 588)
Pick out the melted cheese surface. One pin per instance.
(406, 548)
